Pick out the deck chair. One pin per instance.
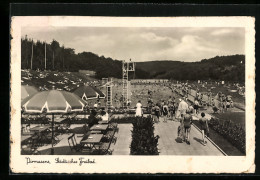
(26, 128)
(26, 131)
(44, 121)
(73, 143)
(29, 150)
(72, 116)
(64, 128)
(113, 126)
(34, 142)
(110, 136)
(104, 149)
(48, 136)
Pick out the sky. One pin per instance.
(146, 44)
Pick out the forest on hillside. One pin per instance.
(229, 68)
(60, 58)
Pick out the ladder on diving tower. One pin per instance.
(109, 96)
(108, 84)
(125, 83)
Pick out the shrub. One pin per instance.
(122, 120)
(233, 132)
(40, 120)
(47, 121)
(143, 140)
(129, 111)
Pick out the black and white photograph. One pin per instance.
(92, 88)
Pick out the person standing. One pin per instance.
(221, 104)
(224, 105)
(169, 100)
(210, 98)
(98, 102)
(104, 116)
(128, 103)
(182, 108)
(181, 132)
(121, 100)
(149, 103)
(157, 112)
(95, 105)
(161, 106)
(191, 109)
(187, 121)
(165, 111)
(204, 127)
(171, 111)
(116, 100)
(153, 113)
(138, 111)
(196, 107)
(173, 100)
(93, 117)
(231, 104)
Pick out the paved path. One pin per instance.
(167, 143)
(169, 146)
(124, 138)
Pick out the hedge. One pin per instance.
(45, 120)
(123, 120)
(144, 142)
(48, 120)
(233, 132)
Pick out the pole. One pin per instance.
(45, 55)
(63, 62)
(53, 61)
(52, 135)
(32, 55)
(134, 70)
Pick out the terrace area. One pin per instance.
(167, 145)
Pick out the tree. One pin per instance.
(62, 58)
(55, 51)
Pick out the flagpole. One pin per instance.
(52, 134)
(134, 70)
(32, 55)
(53, 60)
(45, 55)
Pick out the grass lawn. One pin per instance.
(224, 144)
(237, 117)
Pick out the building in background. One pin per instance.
(88, 72)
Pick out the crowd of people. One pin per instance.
(223, 103)
(176, 111)
(219, 103)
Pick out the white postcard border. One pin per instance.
(133, 164)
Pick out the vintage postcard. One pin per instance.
(132, 94)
